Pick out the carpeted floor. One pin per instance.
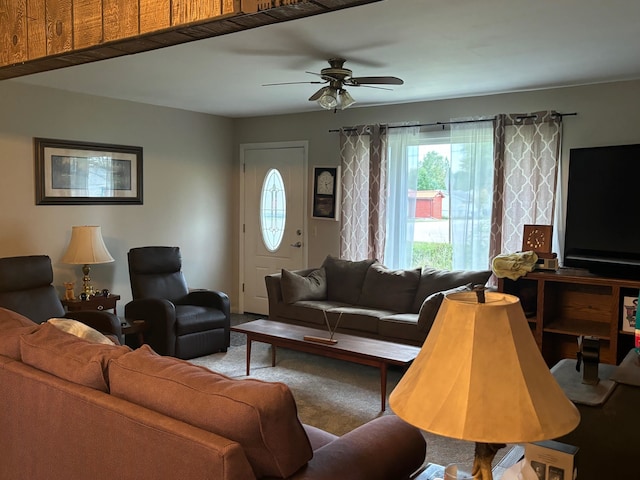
(334, 395)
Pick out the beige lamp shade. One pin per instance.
(481, 377)
(86, 247)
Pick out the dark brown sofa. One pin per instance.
(73, 409)
(368, 299)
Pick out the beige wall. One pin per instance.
(187, 166)
(191, 179)
(606, 115)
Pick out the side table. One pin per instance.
(97, 302)
(137, 327)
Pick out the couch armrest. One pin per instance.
(160, 314)
(273, 283)
(208, 298)
(386, 448)
(105, 322)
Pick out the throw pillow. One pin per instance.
(434, 280)
(260, 416)
(80, 330)
(298, 287)
(431, 305)
(345, 278)
(389, 289)
(69, 357)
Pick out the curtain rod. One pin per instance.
(521, 117)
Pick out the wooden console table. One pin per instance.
(563, 305)
(364, 351)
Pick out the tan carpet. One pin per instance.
(334, 395)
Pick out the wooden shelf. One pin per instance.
(563, 305)
(570, 326)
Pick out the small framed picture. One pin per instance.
(325, 203)
(629, 311)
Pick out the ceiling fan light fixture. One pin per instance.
(346, 100)
(329, 98)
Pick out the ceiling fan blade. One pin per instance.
(325, 77)
(371, 86)
(288, 83)
(376, 80)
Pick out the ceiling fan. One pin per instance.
(334, 95)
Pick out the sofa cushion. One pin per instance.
(434, 280)
(300, 287)
(361, 319)
(389, 289)
(80, 330)
(10, 340)
(261, 416)
(69, 357)
(401, 326)
(431, 305)
(345, 278)
(11, 319)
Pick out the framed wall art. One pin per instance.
(77, 173)
(326, 193)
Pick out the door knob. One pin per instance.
(297, 244)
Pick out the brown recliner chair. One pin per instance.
(182, 323)
(26, 287)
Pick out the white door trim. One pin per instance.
(304, 144)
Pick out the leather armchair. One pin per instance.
(26, 287)
(182, 323)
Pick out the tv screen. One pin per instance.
(602, 231)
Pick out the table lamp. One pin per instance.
(86, 247)
(481, 377)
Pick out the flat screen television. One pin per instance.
(602, 230)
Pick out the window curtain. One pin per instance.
(470, 189)
(527, 150)
(401, 207)
(363, 152)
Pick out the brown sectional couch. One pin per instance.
(72, 409)
(392, 305)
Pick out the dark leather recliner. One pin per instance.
(182, 323)
(26, 287)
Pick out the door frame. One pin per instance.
(304, 144)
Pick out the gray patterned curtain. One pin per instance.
(363, 152)
(526, 156)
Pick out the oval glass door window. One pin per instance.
(273, 210)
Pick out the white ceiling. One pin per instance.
(440, 48)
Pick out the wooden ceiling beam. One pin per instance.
(41, 35)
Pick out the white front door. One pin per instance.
(273, 219)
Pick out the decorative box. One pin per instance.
(552, 460)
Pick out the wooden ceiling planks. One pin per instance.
(46, 35)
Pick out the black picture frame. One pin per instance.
(82, 173)
(326, 196)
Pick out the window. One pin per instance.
(440, 190)
(273, 210)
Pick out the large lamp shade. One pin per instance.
(481, 377)
(86, 247)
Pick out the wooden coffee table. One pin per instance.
(364, 351)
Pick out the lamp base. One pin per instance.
(87, 288)
(485, 452)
